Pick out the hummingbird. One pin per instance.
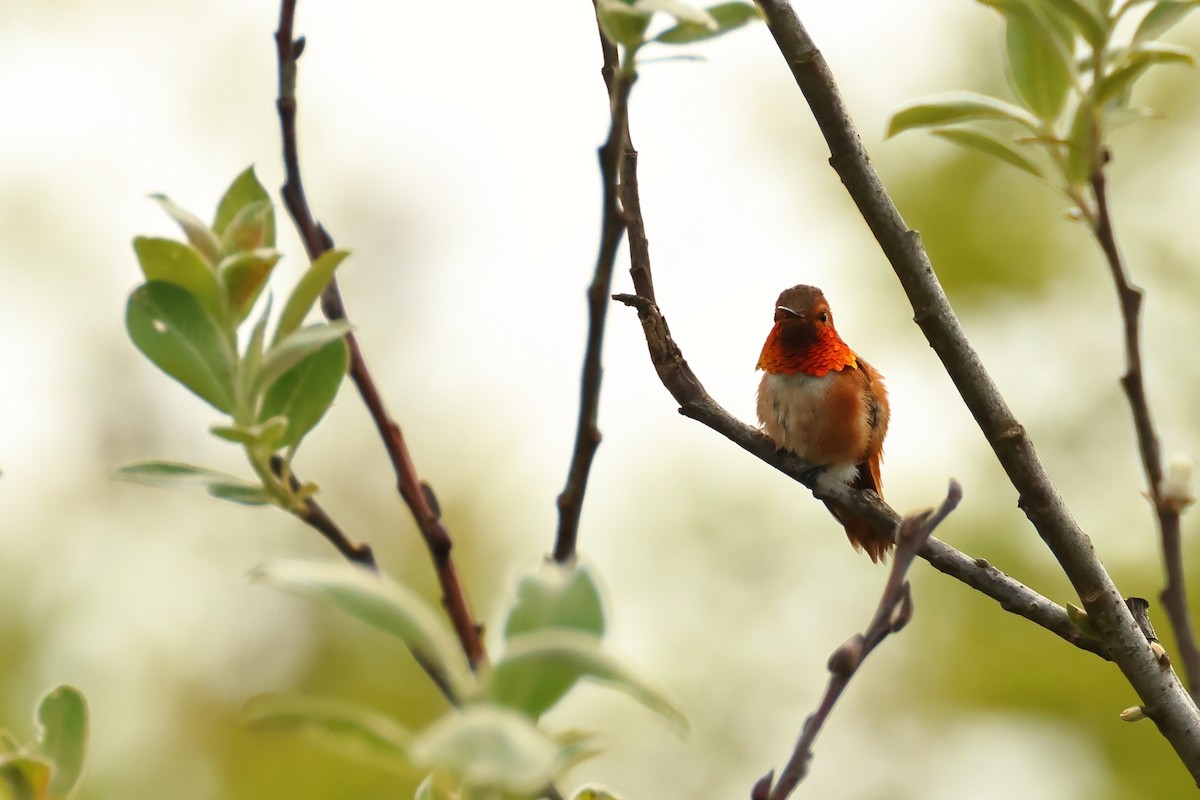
(821, 401)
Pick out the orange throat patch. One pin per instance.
(828, 353)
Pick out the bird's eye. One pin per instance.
(823, 317)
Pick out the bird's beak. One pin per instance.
(787, 310)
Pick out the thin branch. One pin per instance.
(695, 403)
(612, 230)
(893, 613)
(315, 517)
(1162, 695)
(1174, 593)
(416, 493)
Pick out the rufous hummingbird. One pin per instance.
(824, 403)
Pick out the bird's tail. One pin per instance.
(862, 535)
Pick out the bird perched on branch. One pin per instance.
(824, 403)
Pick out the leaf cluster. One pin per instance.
(1073, 77)
(489, 744)
(48, 768)
(186, 319)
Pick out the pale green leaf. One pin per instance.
(992, 145)
(1083, 19)
(243, 276)
(248, 228)
(63, 718)
(381, 602)
(244, 190)
(169, 261)
(530, 657)
(174, 475)
(679, 10)
(305, 392)
(307, 291)
(490, 748)
(199, 235)
(1162, 17)
(952, 108)
(728, 16)
(1115, 87)
(337, 726)
(622, 23)
(554, 595)
(295, 347)
(169, 325)
(1040, 69)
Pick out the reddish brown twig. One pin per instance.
(417, 494)
(1174, 593)
(612, 229)
(315, 517)
(893, 613)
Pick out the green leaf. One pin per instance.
(174, 475)
(295, 348)
(244, 494)
(171, 328)
(727, 16)
(622, 23)
(169, 261)
(24, 778)
(1162, 17)
(307, 290)
(1083, 19)
(63, 718)
(381, 602)
(952, 108)
(1083, 146)
(556, 596)
(306, 391)
(677, 9)
(248, 228)
(551, 655)
(490, 748)
(337, 726)
(252, 361)
(1041, 71)
(244, 275)
(200, 235)
(595, 793)
(265, 434)
(992, 145)
(1116, 86)
(244, 190)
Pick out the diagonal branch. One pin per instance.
(893, 613)
(314, 516)
(695, 402)
(416, 493)
(1163, 697)
(1174, 594)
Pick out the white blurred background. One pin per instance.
(452, 148)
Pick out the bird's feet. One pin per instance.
(810, 475)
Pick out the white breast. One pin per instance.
(789, 408)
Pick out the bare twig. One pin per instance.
(893, 613)
(1174, 593)
(1164, 698)
(695, 402)
(315, 517)
(612, 229)
(416, 493)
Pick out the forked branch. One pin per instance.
(894, 611)
(1174, 593)
(416, 493)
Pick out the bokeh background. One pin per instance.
(452, 148)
